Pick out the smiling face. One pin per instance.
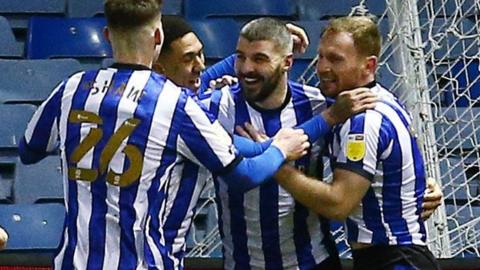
(339, 66)
(183, 62)
(259, 66)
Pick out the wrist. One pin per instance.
(329, 117)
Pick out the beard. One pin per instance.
(268, 85)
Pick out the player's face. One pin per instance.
(339, 65)
(185, 61)
(259, 67)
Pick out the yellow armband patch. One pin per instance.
(355, 149)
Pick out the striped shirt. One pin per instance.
(131, 142)
(378, 144)
(265, 228)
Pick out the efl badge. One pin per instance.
(355, 147)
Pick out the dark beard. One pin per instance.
(267, 89)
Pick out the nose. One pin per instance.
(247, 66)
(199, 64)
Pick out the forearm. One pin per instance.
(316, 127)
(318, 196)
(249, 148)
(252, 172)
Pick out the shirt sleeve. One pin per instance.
(41, 135)
(203, 140)
(224, 67)
(362, 140)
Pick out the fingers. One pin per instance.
(242, 132)
(254, 134)
(426, 214)
(222, 82)
(300, 37)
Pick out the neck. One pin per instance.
(133, 52)
(276, 99)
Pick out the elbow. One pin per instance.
(336, 209)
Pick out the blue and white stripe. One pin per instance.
(265, 228)
(142, 225)
(390, 211)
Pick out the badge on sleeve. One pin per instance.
(355, 149)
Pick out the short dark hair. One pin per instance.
(174, 27)
(129, 14)
(268, 29)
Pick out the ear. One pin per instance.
(288, 62)
(371, 64)
(106, 34)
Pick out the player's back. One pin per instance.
(114, 126)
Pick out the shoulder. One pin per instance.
(311, 92)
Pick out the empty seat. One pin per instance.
(447, 8)
(32, 81)
(442, 38)
(211, 31)
(50, 37)
(47, 173)
(8, 45)
(462, 83)
(313, 10)
(84, 8)
(457, 129)
(305, 67)
(19, 12)
(32, 227)
(195, 9)
(14, 119)
(454, 179)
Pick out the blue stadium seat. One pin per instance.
(7, 174)
(84, 8)
(454, 179)
(313, 10)
(196, 9)
(458, 129)
(463, 84)
(447, 8)
(300, 65)
(219, 37)
(450, 47)
(50, 37)
(91, 8)
(14, 119)
(32, 227)
(47, 173)
(31, 81)
(18, 12)
(8, 45)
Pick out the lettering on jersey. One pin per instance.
(355, 148)
(135, 94)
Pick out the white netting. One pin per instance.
(430, 59)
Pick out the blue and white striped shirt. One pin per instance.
(265, 228)
(131, 142)
(379, 145)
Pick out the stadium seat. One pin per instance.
(31, 81)
(300, 66)
(91, 8)
(19, 12)
(47, 173)
(14, 119)
(33, 227)
(7, 174)
(454, 179)
(196, 10)
(449, 46)
(462, 89)
(314, 29)
(447, 8)
(458, 128)
(313, 10)
(219, 37)
(8, 45)
(50, 37)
